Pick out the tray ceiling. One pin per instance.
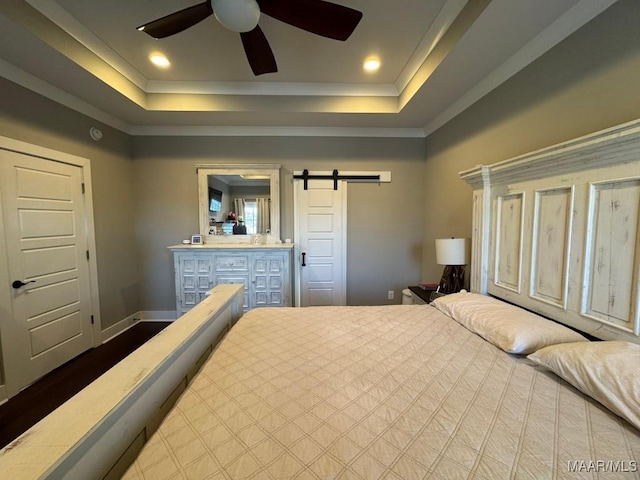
(438, 57)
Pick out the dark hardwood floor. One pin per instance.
(38, 400)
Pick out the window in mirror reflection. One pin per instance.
(254, 213)
(250, 216)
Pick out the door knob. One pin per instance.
(20, 283)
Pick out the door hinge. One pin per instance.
(87, 254)
(82, 187)
(92, 321)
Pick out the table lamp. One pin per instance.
(454, 254)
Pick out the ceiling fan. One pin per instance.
(316, 16)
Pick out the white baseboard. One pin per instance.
(119, 327)
(142, 316)
(158, 315)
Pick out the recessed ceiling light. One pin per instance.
(371, 64)
(159, 60)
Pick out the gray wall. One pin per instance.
(31, 118)
(589, 82)
(385, 222)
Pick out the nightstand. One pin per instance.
(421, 295)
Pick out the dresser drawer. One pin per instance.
(232, 263)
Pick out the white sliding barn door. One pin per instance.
(320, 243)
(45, 233)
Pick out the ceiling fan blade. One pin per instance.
(178, 21)
(315, 16)
(258, 52)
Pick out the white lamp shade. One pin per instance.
(237, 15)
(452, 251)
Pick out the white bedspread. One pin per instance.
(397, 392)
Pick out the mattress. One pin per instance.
(396, 392)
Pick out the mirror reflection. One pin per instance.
(239, 203)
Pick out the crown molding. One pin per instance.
(307, 89)
(261, 131)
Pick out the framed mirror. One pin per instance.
(238, 202)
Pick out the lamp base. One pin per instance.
(452, 280)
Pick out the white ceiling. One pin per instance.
(438, 57)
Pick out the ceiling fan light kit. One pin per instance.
(237, 15)
(316, 16)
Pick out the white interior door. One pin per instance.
(320, 243)
(44, 218)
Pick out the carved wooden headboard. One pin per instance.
(557, 231)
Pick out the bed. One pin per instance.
(378, 392)
(470, 386)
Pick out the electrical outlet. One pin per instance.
(390, 295)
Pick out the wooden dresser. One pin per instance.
(265, 271)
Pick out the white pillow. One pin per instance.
(608, 372)
(508, 327)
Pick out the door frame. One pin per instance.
(7, 387)
(296, 235)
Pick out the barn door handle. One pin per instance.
(303, 255)
(20, 283)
